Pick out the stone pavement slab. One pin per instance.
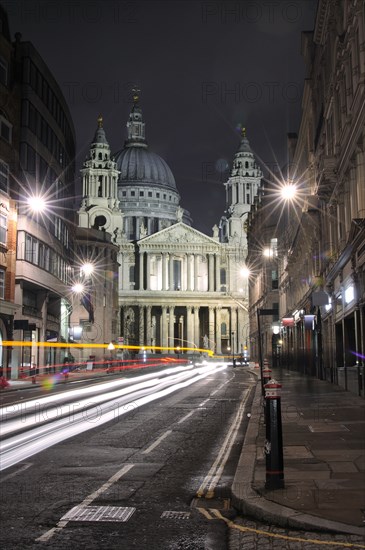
(324, 456)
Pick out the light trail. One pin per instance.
(33, 441)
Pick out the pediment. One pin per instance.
(176, 234)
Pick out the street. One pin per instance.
(128, 483)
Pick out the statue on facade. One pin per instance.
(179, 214)
(142, 231)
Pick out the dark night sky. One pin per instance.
(186, 56)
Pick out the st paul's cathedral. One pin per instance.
(177, 287)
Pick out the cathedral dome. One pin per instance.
(139, 165)
(135, 162)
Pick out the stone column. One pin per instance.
(212, 340)
(217, 272)
(218, 336)
(189, 327)
(141, 337)
(171, 326)
(164, 271)
(210, 258)
(196, 269)
(141, 270)
(148, 271)
(188, 271)
(196, 327)
(148, 325)
(171, 272)
(164, 328)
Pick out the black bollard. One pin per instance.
(274, 437)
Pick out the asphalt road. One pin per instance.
(139, 481)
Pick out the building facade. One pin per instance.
(178, 288)
(37, 169)
(321, 246)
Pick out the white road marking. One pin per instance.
(157, 442)
(62, 523)
(215, 472)
(21, 469)
(186, 417)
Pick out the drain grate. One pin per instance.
(172, 514)
(99, 513)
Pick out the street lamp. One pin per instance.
(232, 344)
(36, 203)
(288, 191)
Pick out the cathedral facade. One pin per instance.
(178, 288)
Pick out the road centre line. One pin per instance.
(62, 523)
(202, 403)
(186, 416)
(157, 442)
(215, 472)
(222, 386)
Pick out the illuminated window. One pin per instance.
(5, 129)
(349, 294)
(4, 176)
(3, 222)
(2, 284)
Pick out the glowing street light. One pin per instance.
(111, 346)
(78, 288)
(245, 272)
(87, 269)
(288, 191)
(37, 204)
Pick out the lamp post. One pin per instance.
(232, 345)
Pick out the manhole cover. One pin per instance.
(171, 514)
(99, 513)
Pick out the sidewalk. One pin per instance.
(324, 459)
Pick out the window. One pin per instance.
(3, 224)
(150, 193)
(157, 195)
(2, 284)
(131, 275)
(274, 279)
(141, 193)
(124, 193)
(224, 329)
(3, 71)
(5, 129)
(133, 193)
(4, 176)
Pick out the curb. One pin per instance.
(251, 503)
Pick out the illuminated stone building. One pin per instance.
(177, 286)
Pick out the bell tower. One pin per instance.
(99, 206)
(241, 189)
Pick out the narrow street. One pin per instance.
(153, 465)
